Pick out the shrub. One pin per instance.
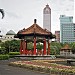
(14, 53)
(4, 57)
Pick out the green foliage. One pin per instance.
(14, 53)
(55, 48)
(30, 46)
(73, 47)
(4, 57)
(14, 45)
(39, 46)
(10, 46)
(2, 50)
(6, 45)
(0, 41)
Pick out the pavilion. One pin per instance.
(34, 34)
(66, 51)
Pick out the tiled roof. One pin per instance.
(34, 29)
(66, 47)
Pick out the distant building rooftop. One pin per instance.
(11, 32)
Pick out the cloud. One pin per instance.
(71, 0)
(13, 15)
(20, 13)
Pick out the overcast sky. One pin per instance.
(20, 14)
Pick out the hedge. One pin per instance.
(4, 57)
(14, 53)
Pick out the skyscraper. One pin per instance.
(47, 18)
(67, 29)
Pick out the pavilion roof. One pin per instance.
(35, 28)
(66, 47)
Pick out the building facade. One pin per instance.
(67, 29)
(47, 18)
(9, 36)
(57, 34)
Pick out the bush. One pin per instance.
(14, 53)
(2, 50)
(4, 57)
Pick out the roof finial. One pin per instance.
(47, 5)
(35, 21)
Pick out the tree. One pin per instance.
(55, 47)
(11, 46)
(6, 45)
(14, 45)
(2, 50)
(30, 46)
(39, 46)
(73, 47)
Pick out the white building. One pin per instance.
(9, 36)
(47, 18)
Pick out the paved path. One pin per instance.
(9, 70)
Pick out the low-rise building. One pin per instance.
(66, 51)
(9, 36)
(57, 34)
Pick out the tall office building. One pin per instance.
(47, 18)
(67, 29)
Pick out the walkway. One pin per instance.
(9, 70)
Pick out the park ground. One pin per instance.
(5, 69)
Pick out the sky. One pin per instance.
(20, 14)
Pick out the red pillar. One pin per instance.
(21, 48)
(48, 47)
(24, 46)
(44, 52)
(26, 49)
(34, 52)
